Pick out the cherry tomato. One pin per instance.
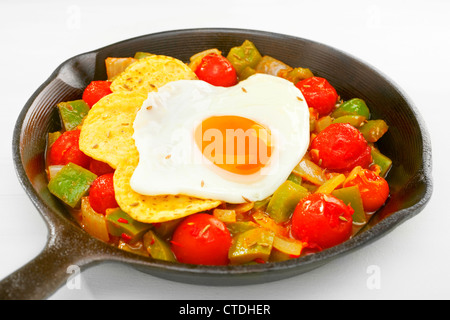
(201, 239)
(66, 149)
(95, 91)
(340, 147)
(216, 70)
(373, 188)
(319, 94)
(99, 167)
(322, 221)
(101, 194)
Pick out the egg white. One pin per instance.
(170, 162)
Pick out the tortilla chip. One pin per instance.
(107, 131)
(148, 74)
(153, 209)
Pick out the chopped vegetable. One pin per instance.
(352, 197)
(157, 247)
(250, 245)
(374, 130)
(115, 66)
(120, 224)
(72, 113)
(331, 184)
(288, 245)
(373, 188)
(225, 215)
(354, 120)
(92, 222)
(311, 172)
(382, 161)
(71, 183)
(353, 107)
(244, 59)
(284, 200)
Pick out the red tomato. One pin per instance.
(319, 94)
(216, 70)
(322, 221)
(99, 167)
(340, 147)
(201, 239)
(66, 149)
(101, 194)
(95, 91)
(373, 188)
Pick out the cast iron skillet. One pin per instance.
(407, 144)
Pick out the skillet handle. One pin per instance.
(45, 274)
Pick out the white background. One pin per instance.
(407, 40)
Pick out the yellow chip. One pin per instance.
(148, 74)
(153, 209)
(107, 131)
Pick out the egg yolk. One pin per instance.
(235, 144)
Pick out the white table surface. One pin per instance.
(407, 41)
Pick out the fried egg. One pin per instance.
(232, 144)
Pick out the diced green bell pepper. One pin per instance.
(139, 55)
(297, 74)
(354, 120)
(295, 178)
(373, 130)
(354, 106)
(284, 200)
(157, 247)
(52, 137)
(240, 226)
(72, 113)
(385, 163)
(165, 229)
(351, 196)
(246, 55)
(253, 244)
(71, 183)
(120, 224)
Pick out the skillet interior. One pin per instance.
(406, 143)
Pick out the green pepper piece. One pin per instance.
(261, 205)
(373, 130)
(354, 106)
(120, 223)
(382, 161)
(252, 244)
(284, 200)
(71, 183)
(165, 229)
(52, 137)
(295, 178)
(297, 74)
(240, 226)
(351, 196)
(157, 248)
(139, 55)
(246, 55)
(354, 120)
(72, 113)
(247, 72)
